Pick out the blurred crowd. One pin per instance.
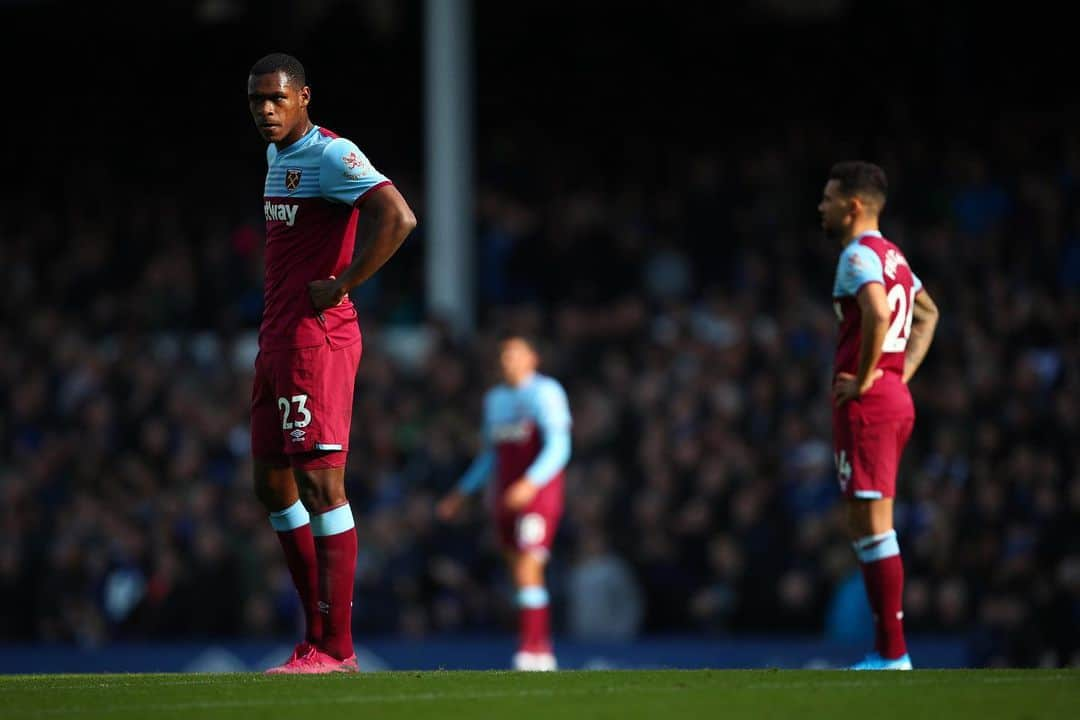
(676, 273)
(701, 494)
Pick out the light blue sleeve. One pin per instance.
(553, 418)
(483, 465)
(345, 174)
(478, 473)
(916, 283)
(550, 404)
(552, 458)
(858, 265)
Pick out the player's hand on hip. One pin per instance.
(449, 507)
(520, 494)
(326, 293)
(845, 389)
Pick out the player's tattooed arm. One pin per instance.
(385, 221)
(923, 324)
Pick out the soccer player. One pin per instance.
(526, 434)
(322, 196)
(887, 321)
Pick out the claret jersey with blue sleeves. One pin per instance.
(871, 258)
(516, 421)
(312, 197)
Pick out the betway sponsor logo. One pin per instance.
(280, 212)
(514, 432)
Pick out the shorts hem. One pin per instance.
(318, 460)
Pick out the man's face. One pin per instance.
(277, 105)
(836, 211)
(517, 360)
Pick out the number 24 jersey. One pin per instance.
(872, 258)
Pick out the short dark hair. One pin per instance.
(280, 62)
(856, 177)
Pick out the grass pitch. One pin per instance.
(621, 695)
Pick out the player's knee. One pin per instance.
(868, 517)
(321, 491)
(317, 499)
(274, 486)
(528, 569)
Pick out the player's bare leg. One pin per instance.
(322, 492)
(275, 487)
(870, 527)
(534, 645)
(869, 517)
(321, 489)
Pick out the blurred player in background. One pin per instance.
(887, 321)
(321, 197)
(526, 446)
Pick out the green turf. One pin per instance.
(657, 695)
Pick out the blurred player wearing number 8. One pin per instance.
(887, 321)
(526, 447)
(321, 198)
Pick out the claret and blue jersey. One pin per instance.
(526, 434)
(870, 258)
(319, 165)
(311, 198)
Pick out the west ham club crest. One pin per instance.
(292, 179)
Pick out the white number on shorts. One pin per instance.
(903, 310)
(531, 530)
(303, 414)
